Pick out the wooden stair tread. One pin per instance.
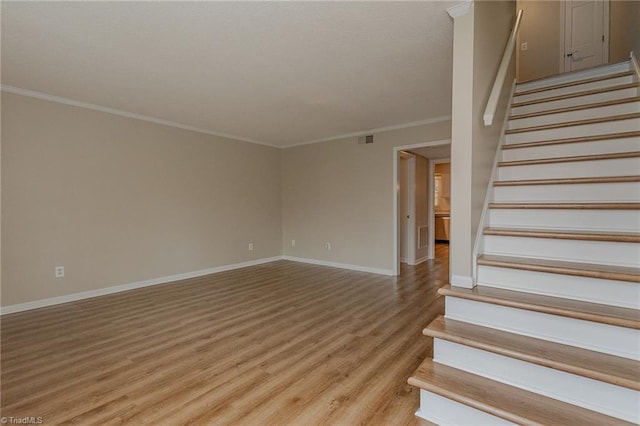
(568, 181)
(593, 138)
(588, 270)
(574, 83)
(594, 365)
(612, 315)
(576, 108)
(575, 95)
(571, 159)
(620, 237)
(567, 206)
(574, 123)
(507, 402)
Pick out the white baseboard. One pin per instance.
(420, 260)
(462, 281)
(379, 271)
(10, 309)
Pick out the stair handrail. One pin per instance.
(494, 97)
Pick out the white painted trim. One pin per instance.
(411, 210)
(462, 281)
(359, 268)
(395, 224)
(634, 64)
(377, 130)
(460, 9)
(498, 83)
(10, 309)
(135, 116)
(420, 260)
(122, 113)
(431, 210)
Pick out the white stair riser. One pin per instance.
(619, 341)
(608, 146)
(445, 412)
(591, 394)
(595, 192)
(630, 125)
(573, 169)
(599, 252)
(608, 292)
(579, 75)
(586, 220)
(574, 89)
(576, 101)
(583, 114)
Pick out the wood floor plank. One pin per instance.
(279, 343)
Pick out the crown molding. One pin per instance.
(377, 130)
(123, 113)
(460, 9)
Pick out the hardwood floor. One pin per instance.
(280, 343)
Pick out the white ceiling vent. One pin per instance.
(365, 139)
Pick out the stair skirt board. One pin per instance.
(630, 106)
(591, 192)
(607, 146)
(609, 339)
(616, 92)
(599, 252)
(627, 124)
(609, 82)
(445, 412)
(608, 69)
(591, 394)
(570, 220)
(594, 290)
(573, 169)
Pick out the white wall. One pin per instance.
(342, 192)
(118, 200)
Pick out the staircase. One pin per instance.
(550, 334)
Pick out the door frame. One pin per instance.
(396, 183)
(410, 237)
(432, 205)
(605, 30)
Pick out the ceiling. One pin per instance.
(278, 73)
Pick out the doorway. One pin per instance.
(584, 38)
(413, 226)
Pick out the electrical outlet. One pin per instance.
(327, 245)
(293, 243)
(59, 271)
(250, 246)
(524, 46)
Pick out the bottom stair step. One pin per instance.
(594, 365)
(503, 401)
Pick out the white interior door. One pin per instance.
(407, 175)
(584, 34)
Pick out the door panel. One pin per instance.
(584, 31)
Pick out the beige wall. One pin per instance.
(624, 37)
(117, 200)
(480, 37)
(342, 192)
(540, 28)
